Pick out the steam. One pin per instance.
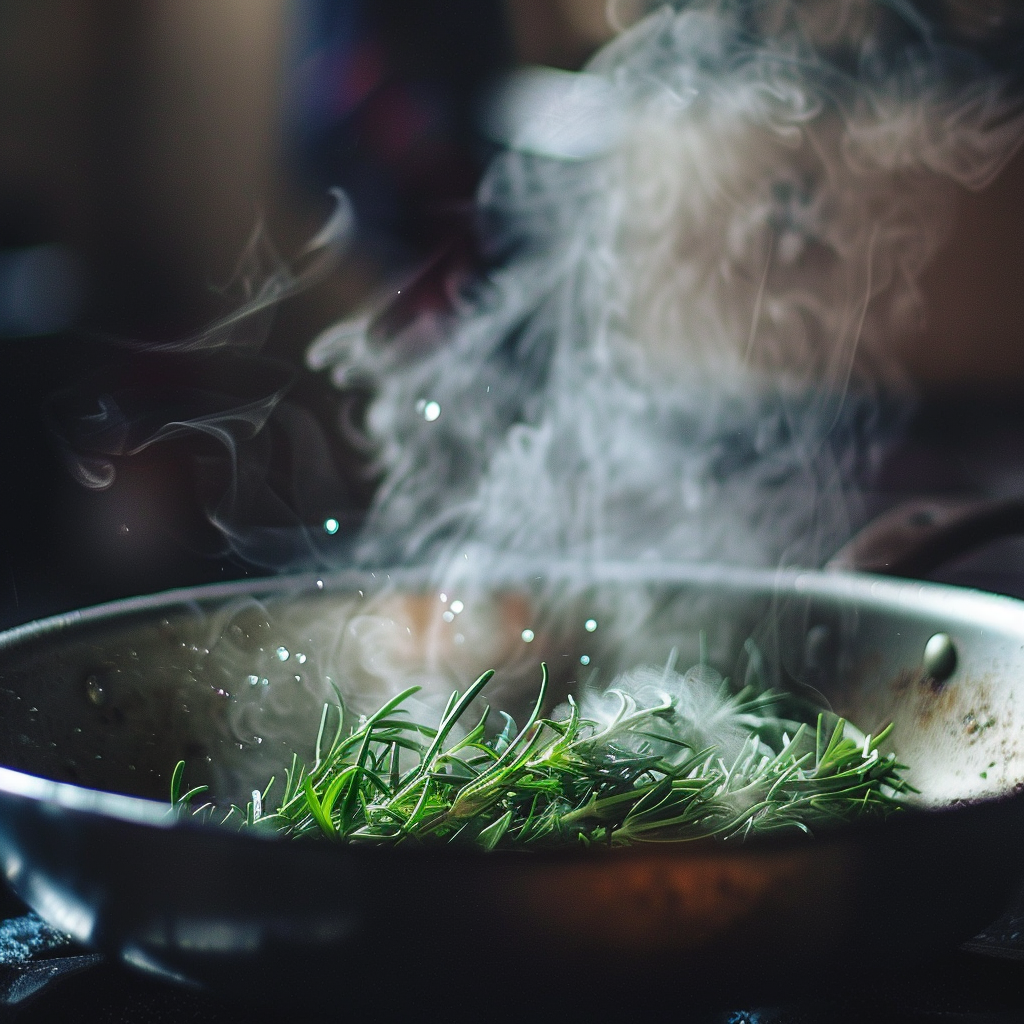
(113, 417)
(264, 280)
(685, 351)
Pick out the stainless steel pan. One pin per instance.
(96, 707)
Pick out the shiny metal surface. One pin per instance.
(257, 917)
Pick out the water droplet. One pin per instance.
(590, 625)
(319, 584)
(95, 691)
(448, 616)
(298, 678)
(77, 729)
(528, 635)
(459, 638)
(300, 658)
(331, 526)
(249, 629)
(254, 680)
(222, 693)
(431, 411)
(283, 654)
(444, 599)
(457, 606)
(257, 739)
(584, 659)
(264, 681)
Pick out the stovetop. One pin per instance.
(43, 977)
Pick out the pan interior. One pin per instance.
(234, 685)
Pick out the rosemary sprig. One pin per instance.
(640, 774)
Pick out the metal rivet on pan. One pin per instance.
(939, 660)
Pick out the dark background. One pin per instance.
(141, 141)
(140, 145)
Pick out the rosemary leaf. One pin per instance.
(630, 766)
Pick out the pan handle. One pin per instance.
(918, 536)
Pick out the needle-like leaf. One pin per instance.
(631, 778)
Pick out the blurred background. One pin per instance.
(142, 142)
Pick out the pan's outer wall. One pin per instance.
(239, 914)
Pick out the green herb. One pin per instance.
(639, 770)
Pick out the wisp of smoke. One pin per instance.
(101, 422)
(682, 354)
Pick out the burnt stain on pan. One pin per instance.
(963, 710)
(958, 735)
(964, 733)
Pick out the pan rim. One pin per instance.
(893, 592)
(884, 593)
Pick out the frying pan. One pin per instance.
(98, 705)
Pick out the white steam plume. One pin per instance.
(662, 367)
